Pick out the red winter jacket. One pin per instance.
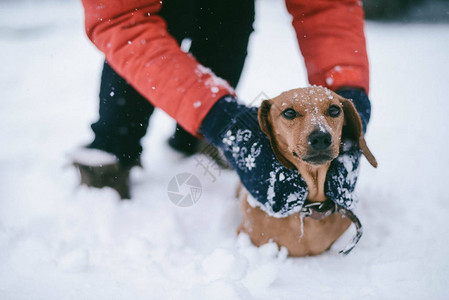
(137, 45)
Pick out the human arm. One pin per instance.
(136, 44)
(331, 37)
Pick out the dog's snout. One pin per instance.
(320, 140)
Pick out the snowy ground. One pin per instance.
(58, 241)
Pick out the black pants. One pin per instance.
(219, 31)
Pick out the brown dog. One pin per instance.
(305, 128)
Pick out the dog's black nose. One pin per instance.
(320, 140)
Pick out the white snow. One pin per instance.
(60, 241)
(92, 157)
(212, 81)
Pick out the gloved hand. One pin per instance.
(234, 128)
(361, 103)
(343, 172)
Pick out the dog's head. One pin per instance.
(307, 125)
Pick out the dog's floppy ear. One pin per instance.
(353, 127)
(264, 123)
(262, 116)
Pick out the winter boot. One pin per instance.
(99, 169)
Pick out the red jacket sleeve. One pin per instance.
(331, 38)
(137, 45)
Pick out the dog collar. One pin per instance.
(320, 210)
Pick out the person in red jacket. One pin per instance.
(145, 68)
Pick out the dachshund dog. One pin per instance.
(305, 128)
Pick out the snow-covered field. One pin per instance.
(59, 241)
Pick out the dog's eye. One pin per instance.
(334, 111)
(289, 114)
